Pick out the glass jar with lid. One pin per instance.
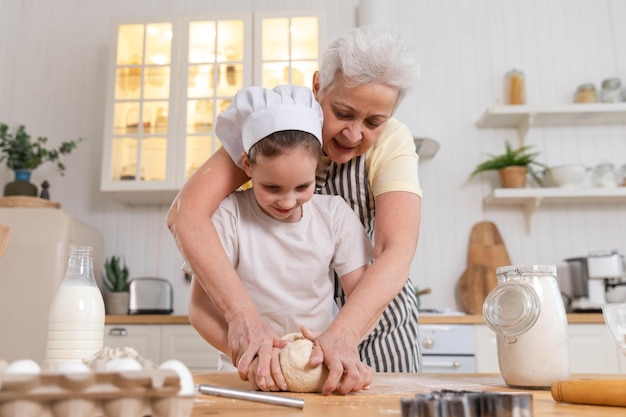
(605, 176)
(527, 313)
(515, 87)
(612, 91)
(586, 93)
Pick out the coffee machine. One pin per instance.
(594, 279)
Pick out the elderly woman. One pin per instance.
(370, 161)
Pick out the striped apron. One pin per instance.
(393, 345)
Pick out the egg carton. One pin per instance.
(450, 403)
(140, 393)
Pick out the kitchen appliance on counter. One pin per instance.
(597, 279)
(150, 296)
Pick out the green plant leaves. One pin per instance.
(511, 157)
(21, 152)
(115, 275)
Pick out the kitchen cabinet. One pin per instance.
(592, 350)
(168, 81)
(447, 348)
(486, 349)
(159, 343)
(144, 338)
(185, 344)
(523, 118)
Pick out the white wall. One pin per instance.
(52, 79)
(53, 72)
(465, 50)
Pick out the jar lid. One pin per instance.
(611, 83)
(511, 308)
(587, 87)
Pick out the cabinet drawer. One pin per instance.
(144, 338)
(185, 344)
(447, 339)
(448, 364)
(592, 350)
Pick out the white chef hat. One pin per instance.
(257, 112)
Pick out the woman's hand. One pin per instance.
(339, 351)
(249, 339)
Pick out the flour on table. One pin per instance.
(294, 361)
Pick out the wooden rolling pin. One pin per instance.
(590, 391)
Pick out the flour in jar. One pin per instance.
(541, 355)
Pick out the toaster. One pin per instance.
(150, 296)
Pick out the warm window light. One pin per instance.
(293, 29)
(158, 59)
(195, 55)
(152, 30)
(168, 34)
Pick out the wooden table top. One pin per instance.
(383, 397)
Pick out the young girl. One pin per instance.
(283, 240)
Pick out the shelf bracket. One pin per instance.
(524, 125)
(529, 210)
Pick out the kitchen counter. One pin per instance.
(383, 397)
(424, 319)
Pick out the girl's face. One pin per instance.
(354, 117)
(281, 184)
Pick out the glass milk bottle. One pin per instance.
(76, 317)
(526, 312)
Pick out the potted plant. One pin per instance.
(116, 282)
(512, 166)
(22, 155)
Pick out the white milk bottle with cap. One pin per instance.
(76, 317)
(526, 312)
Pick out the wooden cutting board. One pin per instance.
(5, 234)
(486, 253)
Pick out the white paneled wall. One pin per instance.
(53, 72)
(53, 68)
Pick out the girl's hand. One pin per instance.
(274, 381)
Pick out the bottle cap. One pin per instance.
(511, 308)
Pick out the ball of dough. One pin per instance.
(294, 361)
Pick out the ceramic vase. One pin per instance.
(513, 177)
(21, 185)
(117, 303)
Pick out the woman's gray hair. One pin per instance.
(366, 55)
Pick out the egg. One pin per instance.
(184, 375)
(23, 366)
(122, 365)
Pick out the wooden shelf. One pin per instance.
(532, 198)
(524, 117)
(556, 195)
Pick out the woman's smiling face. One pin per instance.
(354, 117)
